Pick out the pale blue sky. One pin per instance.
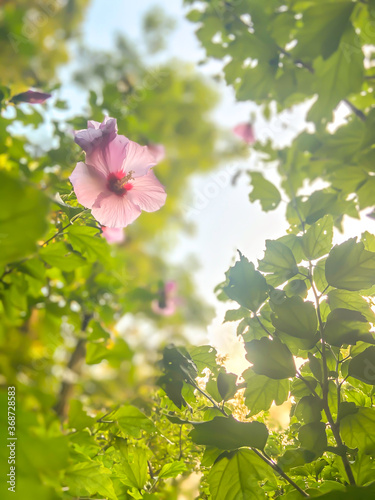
(224, 218)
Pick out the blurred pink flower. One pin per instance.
(167, 302)
(158, 151)
(115, 181)
(245, 131)
(31, 96)
(113, 234)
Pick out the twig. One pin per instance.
(360, 114)
(74, 364)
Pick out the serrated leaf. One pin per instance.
(237, 476)
(261, 391)
(89, 478)
(344, 326)
(271, 358)
(246, 286)
(295, 317)
(278, 260)
(132, 421)
(264, 191)
(358, 430)
(317, 240)
(350, 267)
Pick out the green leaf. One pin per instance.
(278, 260)
(350, 300)
(261, 391)
(350, 267)
(295, 457)
(237, 476)
(337, 77)
(358, 430)
(87, 241)
(271, 358)
(236, 314)
(23, 211)
(132, 421)
(295, 317)
(172, 470)
(78, 419)
(132, 469)
(309, 409)
(323, 27)
(227, 385)
(345, 326)
(89, 478)
(313, 437)
(245, 285)
(317, 240)
(351, 493)
(264, 191)
(60, 256)
(204, 356)
(227, 433)
(362, 366)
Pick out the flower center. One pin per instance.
(118, 184)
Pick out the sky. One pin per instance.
(224, 218)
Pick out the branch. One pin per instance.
(74, 364)
(279, 471)
(335, 426)
(360, 114)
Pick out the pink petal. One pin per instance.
(138, 159)
(147, 193)
(113, 234)
(97, 135)
(87, 184)
(112, 210)
(158, 151)
(168, 310)
(170, 287)
(31, 96)
(245, 132)
(110, 158)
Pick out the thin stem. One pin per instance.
(297, 62)
(268, 460)
(264, 328)
(334, 425)
(360, 114)
(308, 385)
(210, 399)
(65, 227)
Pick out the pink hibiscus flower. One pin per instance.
(166, 304)
(113, 234)
(115, 181)
(245, 132)
(31, 96)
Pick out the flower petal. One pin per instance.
(147, 192)
(245, 131)
(113, 234)
(87, 184)
(110, 158)
(139, 159)
(112, 210)
(158, 151)
(97, 135)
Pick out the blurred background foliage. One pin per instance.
(63, 288)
